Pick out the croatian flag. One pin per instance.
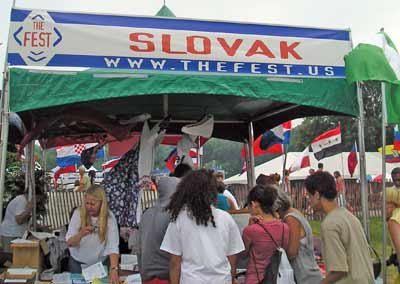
(352, 160)
(396, 142)
(302, 161)
(272, 141)
(71, 155)
(327, 144)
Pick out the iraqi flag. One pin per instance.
(71, 155)
(327, 144)
(352, 160)
(272, 141)
(302, 161)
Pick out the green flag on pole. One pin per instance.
(378, 60)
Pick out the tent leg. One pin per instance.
(252, 180)
(4, 112)
(384, 124)
(198, 152)
(363, 174)
(247, 161)
(30, 179)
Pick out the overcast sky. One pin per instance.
(363, 17)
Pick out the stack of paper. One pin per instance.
(128, 262)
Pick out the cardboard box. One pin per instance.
(27, 255)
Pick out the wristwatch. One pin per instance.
(116, 268)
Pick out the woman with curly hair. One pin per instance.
(202, 241)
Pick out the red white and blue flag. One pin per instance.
(272, 141)
(59, 171)
(71, 155)
(327, 144)
(170, 161)
(302, 161)
(396, 142)
(109, 164)
(352, 160)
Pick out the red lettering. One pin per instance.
(259, 47)
(206, 45)
(149, 44)
(285, 50)
(44, 39)
(26, 38)
(166, 45)
(230, 50)
(34, 38)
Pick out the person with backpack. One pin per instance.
(344, 246)
(264, 234)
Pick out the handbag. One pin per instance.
(279, 270)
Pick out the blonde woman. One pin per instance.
(93, 234)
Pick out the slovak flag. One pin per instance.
(327, 144)
(396, 142)
(170, 161)
(71, 155)
(59, 171)
(302, 161)
(352, 160)
(272, 141)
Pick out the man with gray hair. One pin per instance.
(301, 248)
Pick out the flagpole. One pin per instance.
(363, 172)
(384, 124)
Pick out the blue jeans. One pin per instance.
(75, 266)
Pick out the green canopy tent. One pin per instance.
(243, 105)
(234, 101)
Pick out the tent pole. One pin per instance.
(32, 182)
(165, 105)
(363, 171)
(384, 124)
(4, 112)
(252, 180)
(44, 167)
(247, 161)
(198, 152)
(285, 151)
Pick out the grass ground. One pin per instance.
(376, 242)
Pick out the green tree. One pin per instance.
(312, 127)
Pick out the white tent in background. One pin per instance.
(331, 164)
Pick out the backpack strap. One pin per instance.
(265, 230)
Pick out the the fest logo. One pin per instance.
(38, 37)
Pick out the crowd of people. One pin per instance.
(189, 237)
(199, 243)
